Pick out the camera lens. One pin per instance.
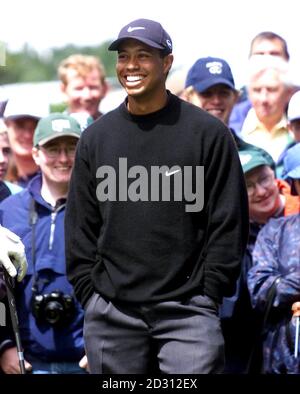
(55, 308)
(53, 312)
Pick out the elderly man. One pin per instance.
(269, 91)
(264, 43)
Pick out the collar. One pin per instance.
(253, 124)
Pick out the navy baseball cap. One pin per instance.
(208, 72)
(147, 31)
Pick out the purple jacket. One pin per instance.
(276, 257)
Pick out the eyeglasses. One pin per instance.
(54, 151)
(265, 182)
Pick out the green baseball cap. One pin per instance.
(253, 157)
(54, 126)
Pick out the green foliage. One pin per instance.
(58, 107)
(28, 65)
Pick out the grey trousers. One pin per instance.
(185, 337)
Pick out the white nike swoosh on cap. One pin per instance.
(245, 158)
(131, 29)
(167, 173)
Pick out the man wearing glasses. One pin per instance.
(268, 197)
(51, 320)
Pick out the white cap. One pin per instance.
(21, 107)
(293, 112)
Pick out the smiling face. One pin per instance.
(142, 71)
(263, 193)
(56, 159)
(217, 100)
(84, 93)
(20, 133)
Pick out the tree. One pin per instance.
(28, 65)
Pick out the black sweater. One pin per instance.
(149, 251)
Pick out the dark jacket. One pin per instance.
(137, 246)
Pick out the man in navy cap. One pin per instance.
(210, 85)
(149, 263)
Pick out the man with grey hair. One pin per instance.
(264, 43)
(269, 91)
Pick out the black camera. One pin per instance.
(55, 308)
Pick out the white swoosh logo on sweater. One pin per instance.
(167, 173)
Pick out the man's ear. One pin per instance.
(36, 155)
(238, 94)
(168, 62)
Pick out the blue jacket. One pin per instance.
(42, 340)
(276, 257)
(238, 115)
